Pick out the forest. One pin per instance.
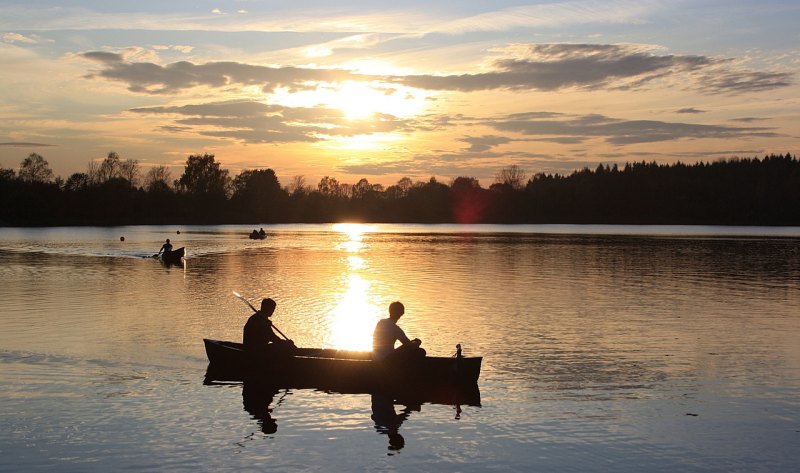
(734, 191)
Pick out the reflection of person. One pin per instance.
(387, 421)
(258, 337)
(166, 247)
(387, 332)
(257, 399)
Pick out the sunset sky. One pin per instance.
(384, 90)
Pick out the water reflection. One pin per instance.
(354, 316)
(388, 421)
(257, 400)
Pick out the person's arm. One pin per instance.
(271, 335)
(401, 335)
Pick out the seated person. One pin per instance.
(387, 332)
(259, 338)
(166, 247)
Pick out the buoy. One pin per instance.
(121, 238)
(179, 232)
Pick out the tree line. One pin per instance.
(736, 191)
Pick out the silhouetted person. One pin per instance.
(166, 247)
(257, 399)
(262, 233)
(387, 332)
(254, 234)
(259, 338)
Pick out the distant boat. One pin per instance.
(173, 256)
(258, 236)
(341, 370)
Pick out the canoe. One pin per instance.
(174, 256)
(342, 370)
(258, 236)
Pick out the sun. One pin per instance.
(357, 100)
(361, 100)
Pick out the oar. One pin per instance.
(256, 310)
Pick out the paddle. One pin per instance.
(256, 310)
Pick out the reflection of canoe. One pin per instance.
(174, 256)
(339, 370)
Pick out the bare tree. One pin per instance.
(93, 172)
(298, 186)
(129, 170)
(35, 168)
(109, 168)
(157, 178)
(512, 176)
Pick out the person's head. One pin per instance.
(396, 310)
(167, 240)
(268, 306)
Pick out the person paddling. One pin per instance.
(387, 332)
(258, 337)
(166, 247)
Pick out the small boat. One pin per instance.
(258, 236)
(339, 370)
(173, 256)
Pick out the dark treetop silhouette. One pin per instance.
(748, 191)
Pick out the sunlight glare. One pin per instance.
(356, 100)
(354, 317)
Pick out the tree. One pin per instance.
(405, 184)
(470, 200)
(129, 170)
(328, 186)
(257, 195)
(512, 176)
(203, 176)
(463, 184)
(35, 168)
(298, 186)
(157, 179)
(362, 189)
(109, 168)
(7, 174)
(77, 182)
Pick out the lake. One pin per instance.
(606, 348)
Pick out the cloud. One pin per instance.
(17, 38)
(748, 119)
(480, 144)
(734, 81)
(550, 67)
(175, 47)
(691, 110)
(23, 144)
(151, 78)
(535, 67)
(554, 15)
(256, 122)
(617, 131)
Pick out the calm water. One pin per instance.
(605, 348)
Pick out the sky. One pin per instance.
(385, 90)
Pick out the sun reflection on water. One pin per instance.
(354, 317)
